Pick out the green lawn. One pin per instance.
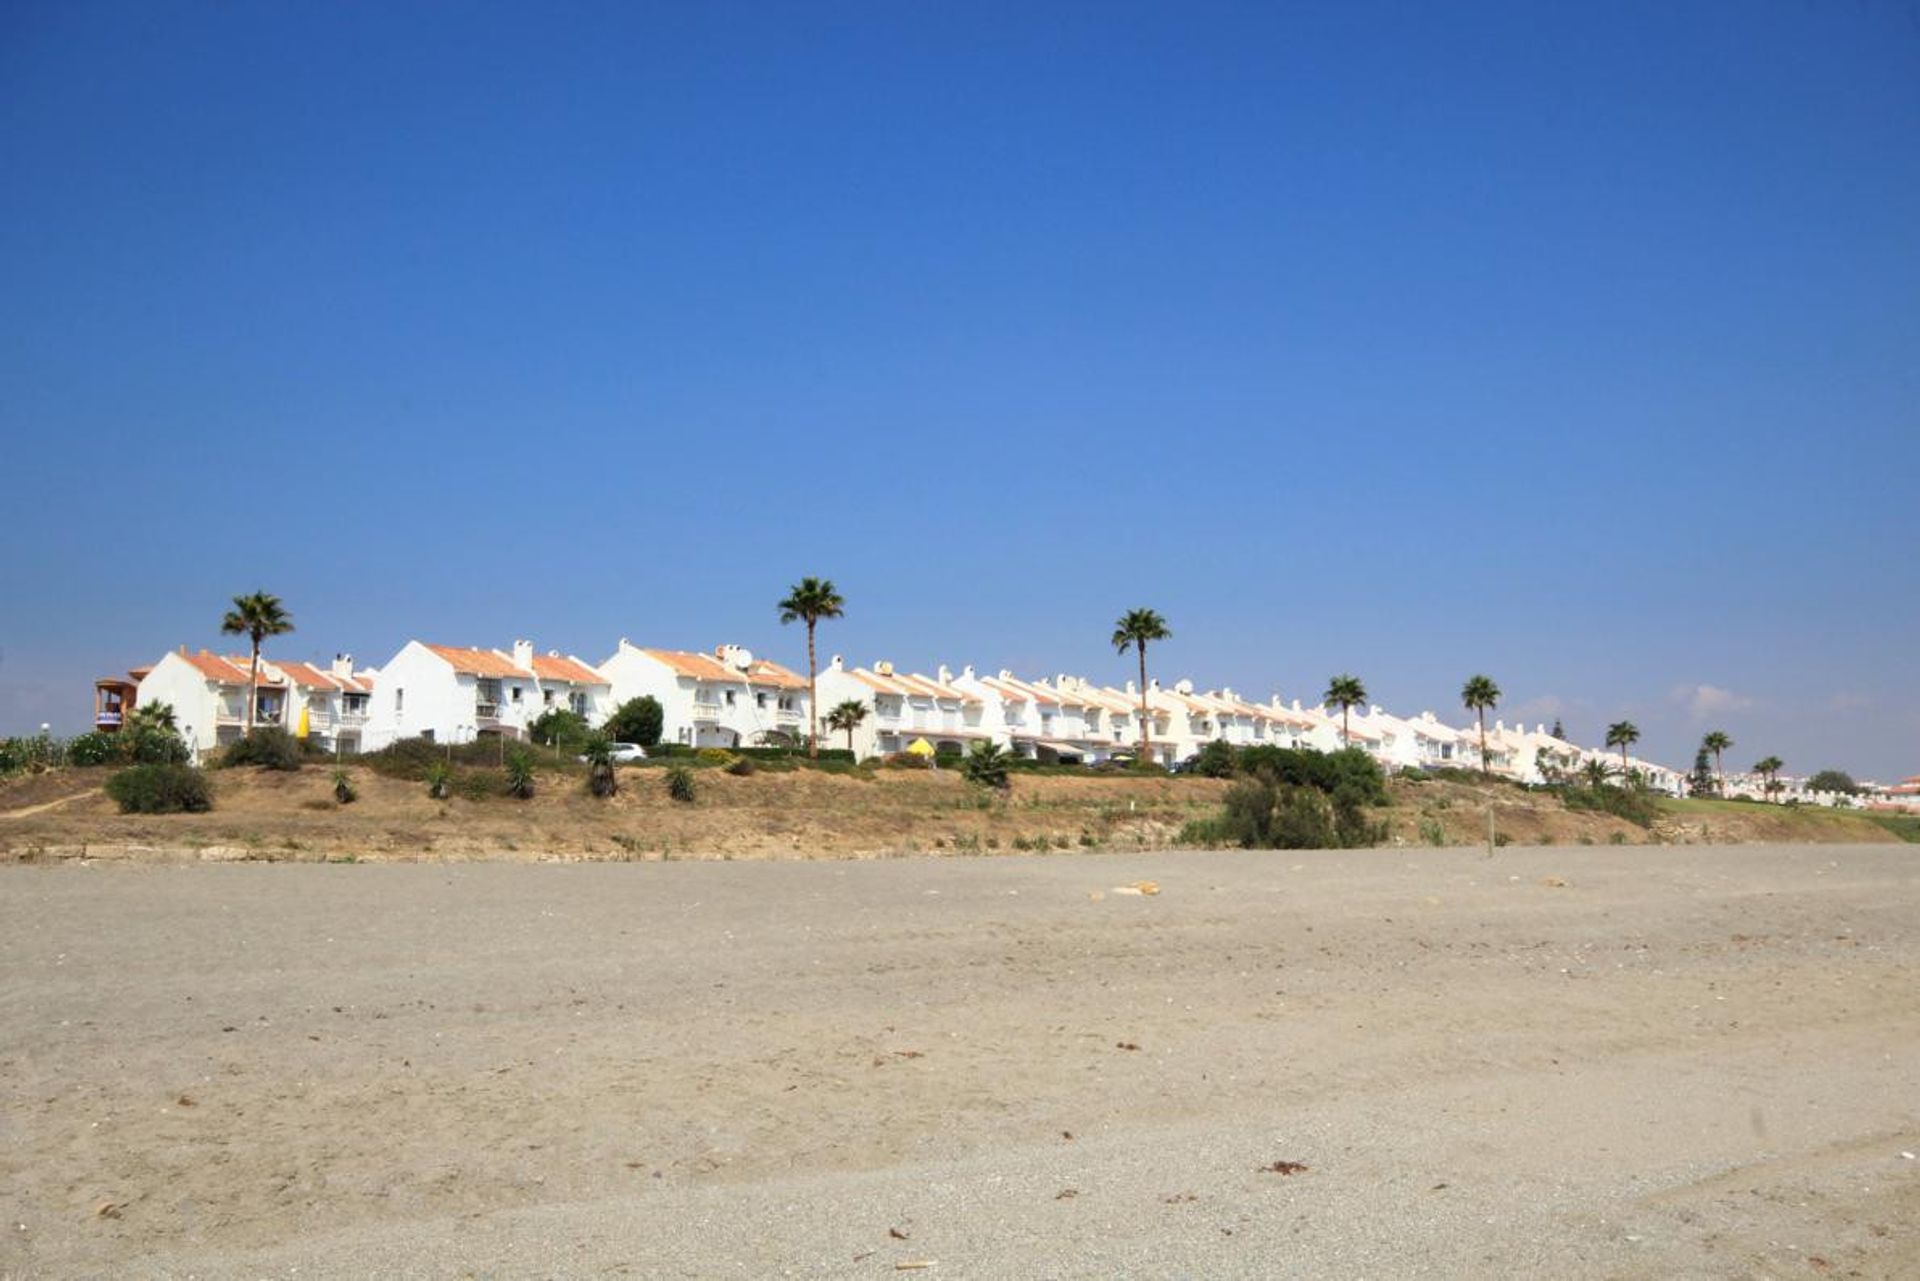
(1904, 826)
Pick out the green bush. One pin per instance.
(405, 758)
(439, 778)
(715, 756)
(560, 727)
(343, 788)
(1632, 801)
(94, 749)
(268, 747)
(30, 755)
(1216, 760)
(520, 773)
(1323, 771)
(638, 720)
(680, 785)
(742, 766)
(986, 763)
(602, 780)
(160, 789)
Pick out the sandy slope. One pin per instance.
(1677, 1062)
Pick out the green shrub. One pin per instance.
(986, 763)
(160, 789)
(715, 756)
(1631, 801)
(439, 776)
(1216, 760)
(343, 788)
(93, 749)
(520, 773)
(602, 780)
(405, 758)
(742, 766)
(680, 785)
(638, 720)
(1431, 832)
(559, 727)
(905, 760)
(1324, 771)
(268, 747)
(30, 755)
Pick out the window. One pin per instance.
(546, 697)
(399, 700)
(516, 693)
(730, 694)
(759, 700)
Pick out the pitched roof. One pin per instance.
(479, 662)
(552, 667)
(216, 668)
(305, 676)
(910, 685)
(706, 667)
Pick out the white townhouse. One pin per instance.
(570, 684)
(903, 707)
(208, 694)
(1429, 743)
(331, 706)
(455, 694)
(1066, 719)
(727, 698)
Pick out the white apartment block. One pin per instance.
(208, 694)
(454, 694)
(903, 707)
(727, 698)
(329, 707)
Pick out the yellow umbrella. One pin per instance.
(920, 747)
(305, 725)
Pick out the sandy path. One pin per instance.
(1680, 1062)
(28, 811)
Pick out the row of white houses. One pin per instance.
(730, 698)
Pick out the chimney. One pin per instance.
(838, 664)
(523, 654)
(1373, 709)
(1005, 674)
(946, 674)
(966, 673)
(342, 665)
(1132, 688)
(183, 651)
(1296, 705)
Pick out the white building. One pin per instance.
(332, 705)
(727, 698)
(452, 694)
(903, 707)
(208, 695)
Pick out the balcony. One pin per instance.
(354, 716)
(705, 711)
(486, 711)
(108, 720)
(787, 715)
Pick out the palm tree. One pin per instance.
(1136, 628)
(1717, 743)
(1623, 734)
(847, 716)
(809, 601)
(1346, 693)
(256, 617)
(1480, 693)
(1769, 769)
(1597, 772)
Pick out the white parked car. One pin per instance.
(624, 754)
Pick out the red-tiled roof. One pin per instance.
(306, 676)
(479, 662)
(706, 667)
(216, 668)
(552, 667)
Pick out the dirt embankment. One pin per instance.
(798, 814)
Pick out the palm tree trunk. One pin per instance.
(1346, 725)
(1625, 769)
(1483, 740)
(813, 700)
(1146, 746)
(253, 685)
(1720, 767)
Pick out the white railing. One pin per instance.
(706, 711)
(486, 711)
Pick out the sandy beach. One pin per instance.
(1594, 1062)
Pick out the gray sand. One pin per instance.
(1678, 1062)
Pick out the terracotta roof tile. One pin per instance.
(216, 668)
(479, 662)
(706, 667)
(552, 667)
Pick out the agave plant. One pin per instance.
(598, 751)
(520, 773)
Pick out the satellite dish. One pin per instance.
(883, 668)
(742, 659)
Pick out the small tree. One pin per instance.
(1701, 782)
(638, 720)
(1833, 780)
(1769, 769)
(847, 717)
(560, 728)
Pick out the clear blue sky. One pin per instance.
(1576, 344)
